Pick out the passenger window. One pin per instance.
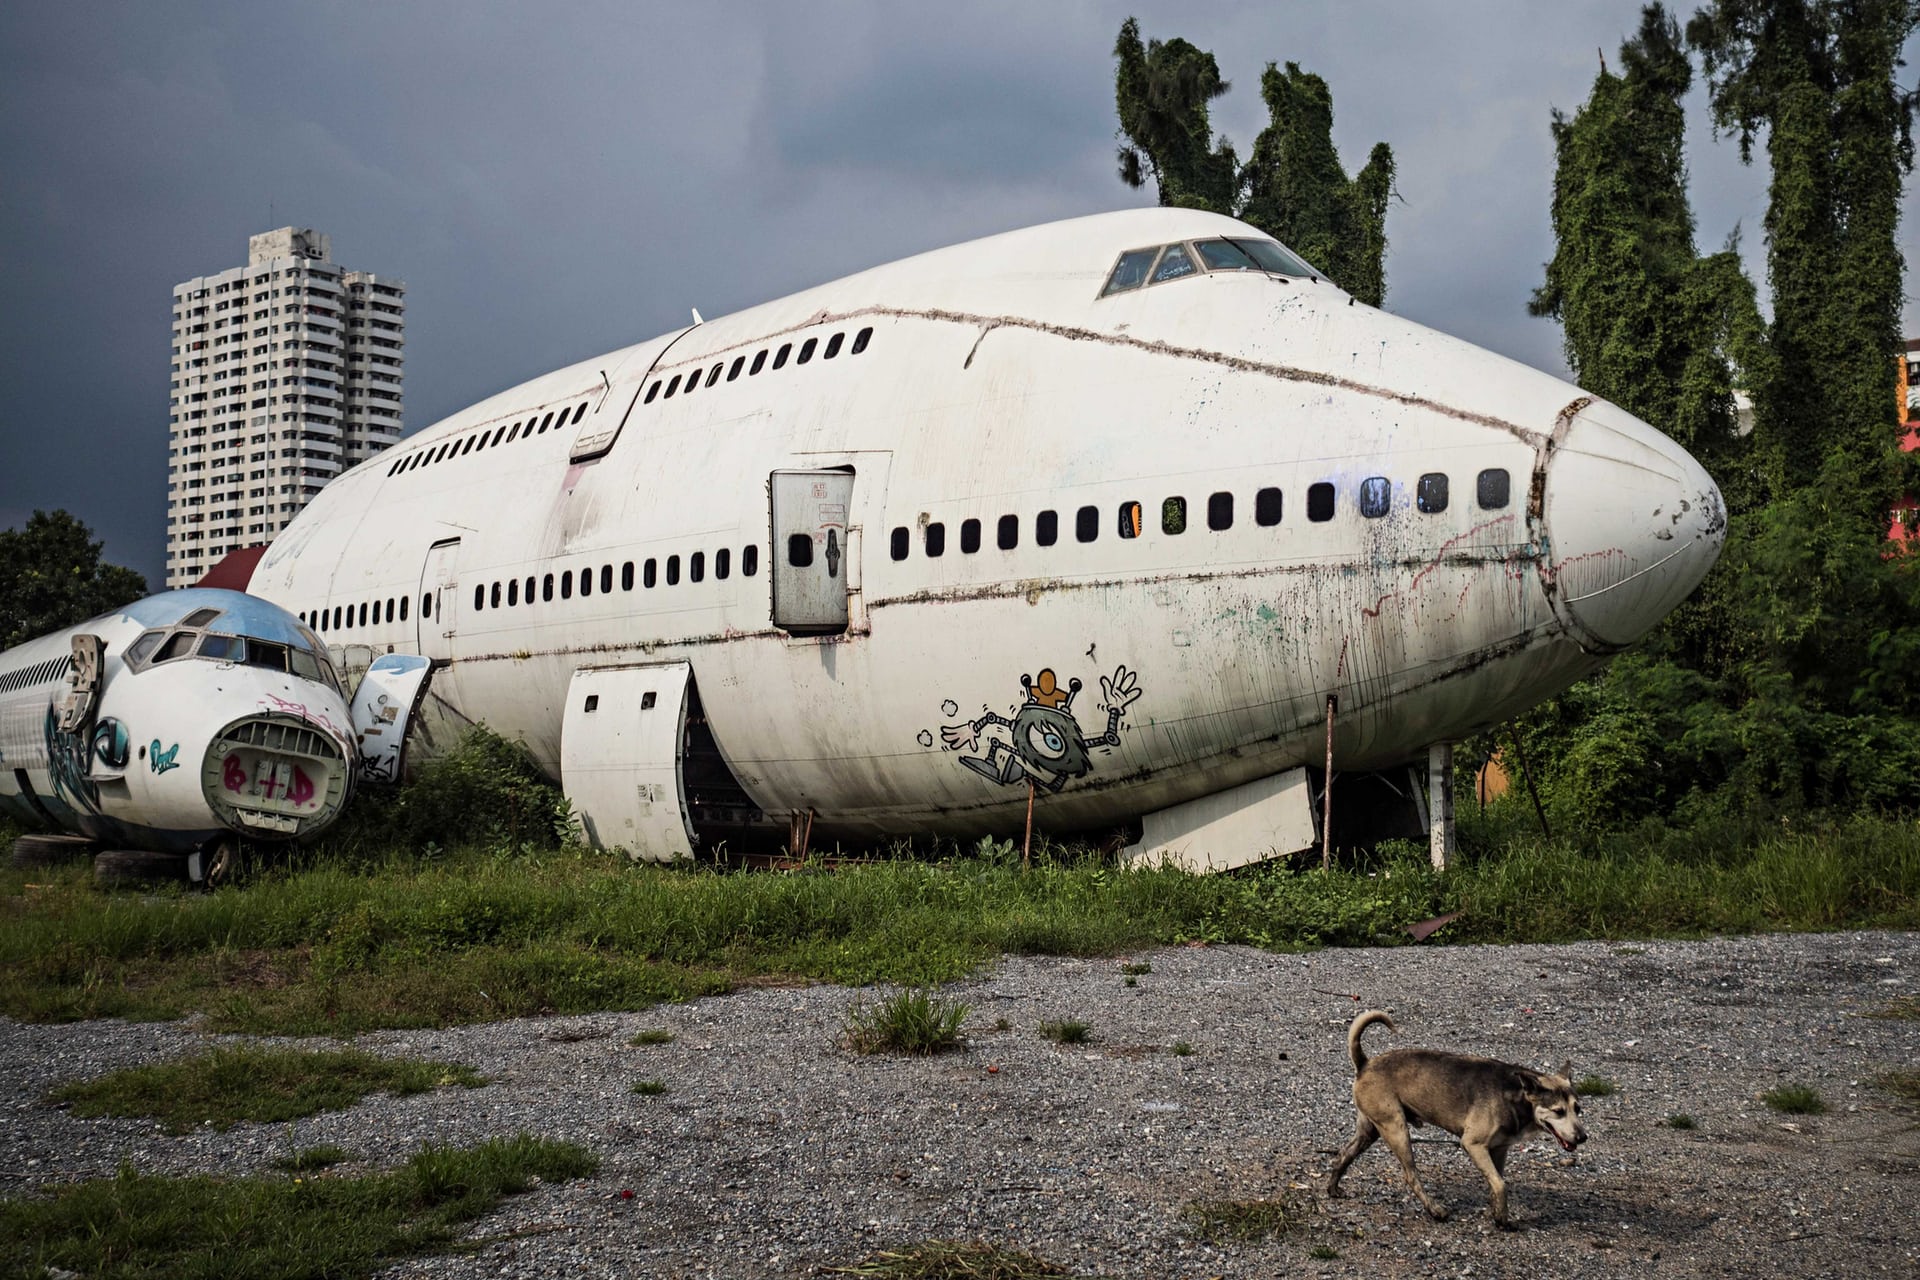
(466, 446)
(389, 608)
(673, 385)
(833, 346)
(1174, 263)
(479, 596)
(546, 422)
(1320, 502)
(580, 413)
(1009, 532)
(1220, 512)
(800, 547)
(936, 539)
(1046, 528)
(1376, 496)
(403, 608)
(495, 601)
(626, 576)
(653, 391)
(513, 592)
(1130, 517)
(566, 584)
(363, 613)
(780, 356)
(1266, 508)
(696, 566)
(969, 536)
(900, 543)
(530, 581)
(1492, 490)
(693, 383)
(806, 350)
(673, 571)
(546, 589)
(1173, 516)
(713, 374)
(649, 573)
(759, 363)
(721, 567)
(749, 561)
(1431, 495)
(426, 608)
(861, 339)
(1086, 524)
(1130, 272)
(586, 581)
(606, 578)
(739, 363)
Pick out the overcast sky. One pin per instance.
(557, 180)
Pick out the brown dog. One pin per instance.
(1490, 1105)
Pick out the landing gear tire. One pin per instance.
(219, 864)
(137, 866)
(49, 851)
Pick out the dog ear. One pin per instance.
(1566, 1069)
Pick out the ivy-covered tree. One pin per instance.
(1162, 90)
(51, 577)
(1293, 187)
(1298, 193)
(1648, 323)
(1817, 77)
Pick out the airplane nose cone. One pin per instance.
(1633, 524)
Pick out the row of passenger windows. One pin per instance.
(366, 613)
(1492, 492)
(511, 593)
(39, 672)
(503, 434)
(688, 383)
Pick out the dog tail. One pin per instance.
(1360, 1024)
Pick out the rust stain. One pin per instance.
(1075, 333)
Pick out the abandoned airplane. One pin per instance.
(172, 726)
(1136, 517)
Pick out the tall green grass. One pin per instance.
(472, 935)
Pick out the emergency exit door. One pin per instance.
(812, 551)
(439, 599)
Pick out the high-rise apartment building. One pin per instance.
(285, 372)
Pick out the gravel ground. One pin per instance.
(774, 1151)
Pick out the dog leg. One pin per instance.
(1491, 1164)
(1394, 1129)
(1364, 1136)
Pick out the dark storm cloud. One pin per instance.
(557, 180)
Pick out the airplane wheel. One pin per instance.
(49, 851)
(221, 863)
(137, 866)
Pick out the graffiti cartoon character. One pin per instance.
(1043, 741)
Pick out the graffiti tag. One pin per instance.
(161, 761)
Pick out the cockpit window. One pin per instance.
(1174, 263)
(178, 645)
(1131, 271)
(137, 651)
(307, 659)
(1138, 267)
(199, 617)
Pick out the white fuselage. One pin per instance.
(174, 748)
(997, 383)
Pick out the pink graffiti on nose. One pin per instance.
(233, 776)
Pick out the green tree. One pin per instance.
(1648, 323)
(1162, 90)
(1293, 187)
(1298, 193)
(1817, 77)
(51, 577)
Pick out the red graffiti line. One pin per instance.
(1434, 563)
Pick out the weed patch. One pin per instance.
(1222, 1220)
(1904, 1085)
(244, 1082)
(1681, 1121)
(655, 1036)
(1595, 1087)
(1795, 1100)
(912, 1021)
(313, 1158)
(1181, 1049)
(138, 1225)
(1900, 1008)
(649, 1088)
(952, 1260)
(1067, 1031)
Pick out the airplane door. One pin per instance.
(622, 751)
(811, 553)
(440, 599)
